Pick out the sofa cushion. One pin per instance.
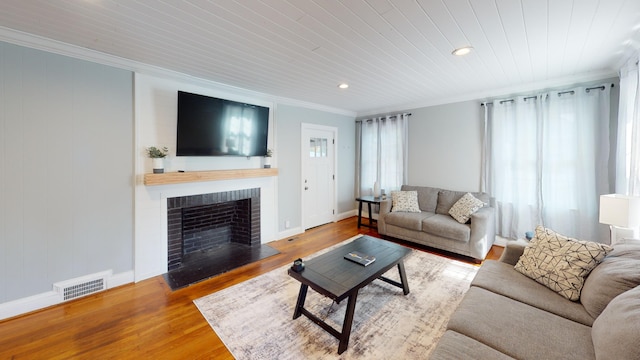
(519, 330)
(456, 346)
(616, 332)
(559, 262)
(427, 196)
(446, 226)
(411, 221)
(618, 272)
(447, 198)
(466, 206)
(501, 278)
(404, 201)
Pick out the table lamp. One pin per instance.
(622, 214)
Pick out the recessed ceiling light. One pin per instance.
(462, 51)
(343, 85)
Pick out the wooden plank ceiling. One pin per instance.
(395, 54)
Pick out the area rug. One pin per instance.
(254, 318)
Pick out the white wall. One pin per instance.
(66, 199)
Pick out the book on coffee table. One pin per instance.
(360, 258)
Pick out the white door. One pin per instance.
(318, 174)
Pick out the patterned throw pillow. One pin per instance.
(405, 201)
(559, 262)
(465, 207)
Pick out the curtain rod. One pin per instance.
(383, 117)
(601, 87)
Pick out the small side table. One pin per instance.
(369, 200)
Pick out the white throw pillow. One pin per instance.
(559, 262)
(405, 201)
(466, 206)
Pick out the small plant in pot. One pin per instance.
(267, 158)
(157, 155)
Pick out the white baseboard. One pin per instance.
(50, 298)
(298, 230)
(346, 215)
(365, 216)
(120, 279)
(28, 304)
(290, 232)
(500, 241)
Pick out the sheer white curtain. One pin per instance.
(513, 163)
(382, 153)
(628, 145)
(547, 161)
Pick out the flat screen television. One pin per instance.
(209, 126)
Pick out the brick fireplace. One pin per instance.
(206, 222)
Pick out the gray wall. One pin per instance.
(289, 120)
(66, 170)
(444, 146)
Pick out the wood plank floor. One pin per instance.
(148, 320)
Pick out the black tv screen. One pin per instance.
(209, 126)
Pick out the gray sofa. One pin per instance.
(434, 227)
(507, 315)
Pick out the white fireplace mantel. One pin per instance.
(151, 212)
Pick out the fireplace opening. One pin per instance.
(210, 234)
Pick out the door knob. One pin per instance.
(306, 188)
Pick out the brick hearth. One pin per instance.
(206, 221)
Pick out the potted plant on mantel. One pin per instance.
(267, 159)
(157, 155)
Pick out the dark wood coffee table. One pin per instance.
(332, 275)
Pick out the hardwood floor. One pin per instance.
(148, 320)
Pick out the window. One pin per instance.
(547, 161)
(382, 153)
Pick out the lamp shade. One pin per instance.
(620, 210)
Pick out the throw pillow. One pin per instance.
(465, 207)
(616, 332)
(427, 196)
(405, 201)
(447, 198)
(559, 262)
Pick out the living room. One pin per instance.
(76, 122)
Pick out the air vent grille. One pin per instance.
(83, 289)
(75, 288)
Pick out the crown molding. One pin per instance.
(566, 81)
(77, 52)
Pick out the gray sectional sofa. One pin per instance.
(434, 227)
(507, 315)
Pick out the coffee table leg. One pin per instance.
(403, 277)
(302, 296)
(348, 321)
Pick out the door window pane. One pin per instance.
(317, 147)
